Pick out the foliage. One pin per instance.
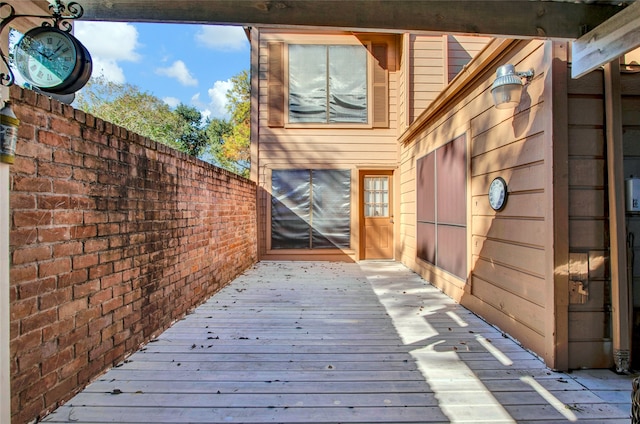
(125, 105)
(229, 140)
(193, 137)
(226, 142)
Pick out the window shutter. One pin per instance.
(275, 85)
(380, 86)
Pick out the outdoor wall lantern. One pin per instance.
(507, 88)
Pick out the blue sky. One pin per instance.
(192, 64)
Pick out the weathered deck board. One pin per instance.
(337, 343)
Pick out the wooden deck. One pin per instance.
(302, 342)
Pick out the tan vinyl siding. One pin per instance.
(318, 146)
(460, 50)
(588, 224)
(426, 61)
(508, 262)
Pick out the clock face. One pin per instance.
(53, 60)
(498, 193)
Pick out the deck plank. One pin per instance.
(337, 343)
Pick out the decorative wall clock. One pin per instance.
(498, 194)
(53, 60)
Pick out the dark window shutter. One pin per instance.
(275, 85)
(380, 86)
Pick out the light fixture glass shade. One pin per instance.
(507, 88)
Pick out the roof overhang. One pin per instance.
(603, 30)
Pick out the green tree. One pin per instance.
(193, 137)
(140, 112)
(229, 141)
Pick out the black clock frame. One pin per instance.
(82, 67)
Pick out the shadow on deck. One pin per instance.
(313, 342)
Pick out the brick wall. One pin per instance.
(113, 237)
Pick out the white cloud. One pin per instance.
(179, 71)
(109, 43)
(222, 38)
(218, 97)
(216, 107)
(171, 101)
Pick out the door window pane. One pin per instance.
(376, 196)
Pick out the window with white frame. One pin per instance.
(328, 84)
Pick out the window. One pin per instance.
(327, 84)
(310, 209)
(376, 196)
(442, 207)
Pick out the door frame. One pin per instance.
(361, 227)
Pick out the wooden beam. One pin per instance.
(506, 18)
(610, 40)
(621, 318)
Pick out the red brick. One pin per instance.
(69, 187)
(101, 296)
(85, 261)
(38, 320)
(26, 342)
(55, 267)
(22, 275)
(32, 218)
(52, 235)
(21, 200)
(84, 231)
(70, 309)
(73, 367)
(74, 277)
(86, 289)
(57, 361)
(96, 245)
(61, 391)
(31, 254)
(111, 304)
(74, 336)
(68, 157)
(53, 201)
(55, 298)
(65, 126)
(24, 308)
(61, 217)
(54, 170)
(67, 249)
(100, 270)
(57, 328)
(31, 184)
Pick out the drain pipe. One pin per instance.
(620, 296)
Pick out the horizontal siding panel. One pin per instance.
(526, 205)
(525, 232)
(589, 84)
(587, 326)
(519, 259)
(631, 141)
(586, 111)
(630, 84)
(517, 308)
(587, 234)
(586, 203)
(520, 153)
(526, 178)
(521, 284)
(587, 172)
(524, 117)
(630, 110)
(586, 142)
